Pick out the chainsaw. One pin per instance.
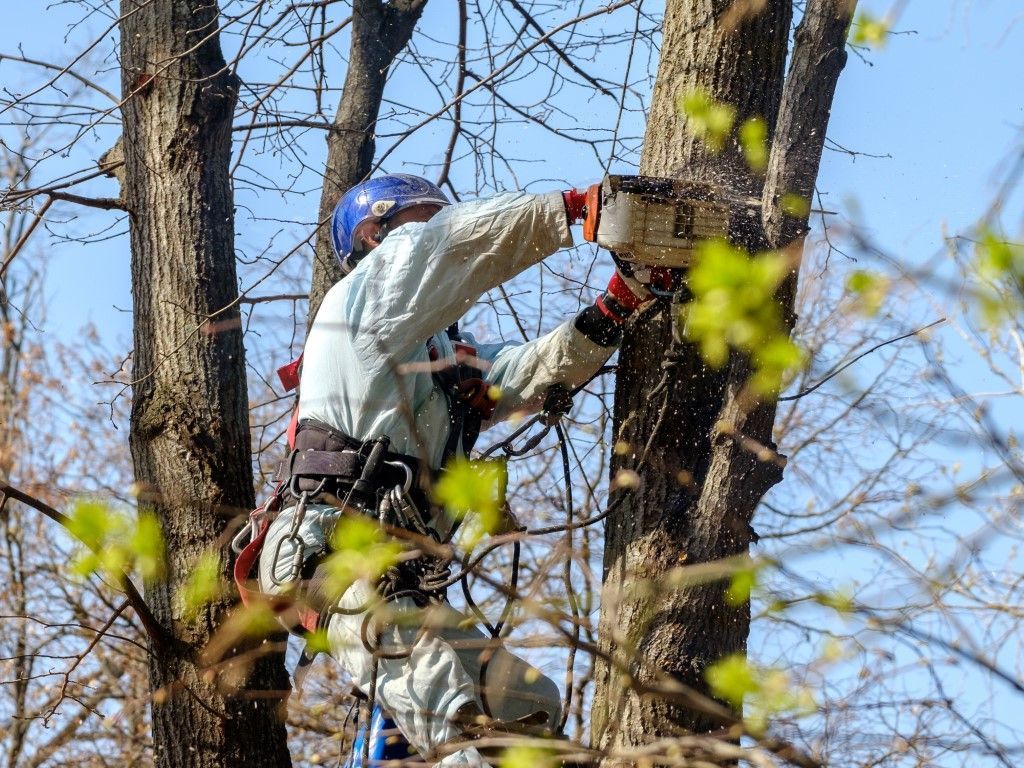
(651, 222)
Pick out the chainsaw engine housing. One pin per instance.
(658, 222)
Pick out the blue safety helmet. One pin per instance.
(377, 200)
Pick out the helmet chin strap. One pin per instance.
(350, 262)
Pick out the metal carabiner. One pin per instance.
(251, 529)
(408, 474)
(295, 569)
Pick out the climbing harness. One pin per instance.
(360, 477)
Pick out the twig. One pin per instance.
(66, 70)
(843, 367)
(25, 236)
(156, 631)
(496, 73)
(81, 657)
(558, 51)
(273, 297)
(106, 203)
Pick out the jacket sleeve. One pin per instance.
(523, 372)
(424, 276)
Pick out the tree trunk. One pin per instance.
(698, 486)
(189, 425)
(379, 32)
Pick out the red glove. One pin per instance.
(575, 205)
(622, 297)
(626, 294)
(584, 206)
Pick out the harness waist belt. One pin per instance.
(322, 453)
(343, 465)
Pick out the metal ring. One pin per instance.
(408, 474)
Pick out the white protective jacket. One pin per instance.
(366, 367)
(366, 355)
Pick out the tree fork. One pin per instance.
(189, 431)
(698, 492)
(379, 33)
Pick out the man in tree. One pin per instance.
(391, 390)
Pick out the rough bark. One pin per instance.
(379, 33)
(189, 425)
(702, 480)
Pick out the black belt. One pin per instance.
(328, 461)
(346, 465)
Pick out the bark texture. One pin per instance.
(189, 425)
(379, 33)
(704, 476)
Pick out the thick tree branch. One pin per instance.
(819, 55)
(380, 31)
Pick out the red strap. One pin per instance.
(245, 563)
(293, 427)
(289, 374)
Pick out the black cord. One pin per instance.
(567, 571)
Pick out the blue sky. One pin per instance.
(939, 99)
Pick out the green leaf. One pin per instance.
(528, 757)
(999, 259)
(92, 523)
(476, 487)
(254, 620)
(754, 141)
(869, 289)
(742, 583)
(840, 601)
(709, 120)
(85, 563)
(734, 307)
(361, 550)
(147, 542)
(795, 205)
(732, 678)
(113, 542)
(205, 584)
(870, 30)
(765, 691)
(317, 642)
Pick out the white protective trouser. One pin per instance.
(421, 691)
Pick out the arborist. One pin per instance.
(390, 390)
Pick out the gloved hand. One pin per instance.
(602, 322)
(584, 207)
(623, 297)
(628, 289)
